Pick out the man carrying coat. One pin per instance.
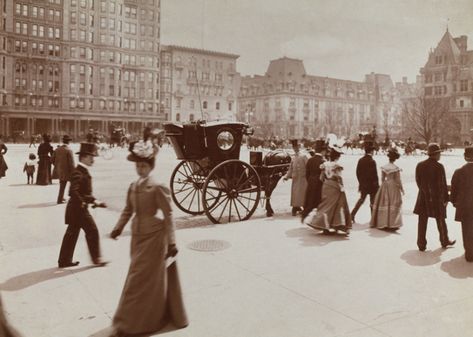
(432, 198)
(77, 213)
(367, 175)
(461, 197)
(297, 174)
(314, 184)
(64, 166)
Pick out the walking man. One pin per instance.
(461, 197)
(432, 198)
(64, 166)
(297, 174)
(77, 214)
(314, 184)
(367, 175)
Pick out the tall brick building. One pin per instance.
(71, 65)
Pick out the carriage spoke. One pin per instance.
(247, 208)
(198, 201)
(193, 196)
(186, 196)
(230, 212)
(221, 202)
(223, 210)
(183, 190)
(249, 190)
(215, 188)
(236, 208)
(242, 175)
(247, 198)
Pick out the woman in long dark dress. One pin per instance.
(151, 295)
(3, 164)
(45, 151)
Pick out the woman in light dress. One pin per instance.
(332, 213)
(388, 201)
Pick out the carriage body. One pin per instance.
(211, 178)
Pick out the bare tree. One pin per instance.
(425, 115)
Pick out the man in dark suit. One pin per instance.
(432, 198)
(314, 184)
(367, 175)
(461, 197)
(64, 165)
(77, 214)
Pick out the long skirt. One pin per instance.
(44, 171)
(333, 212)
(387, 206)
(3, 166)
(152, 293)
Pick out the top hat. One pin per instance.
(294, 143)
(469, 153)
(88, 149)
(320, 145)
(66, 139)
(368, 145)
(433, 148)
(142, 151)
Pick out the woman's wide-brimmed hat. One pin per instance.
(88, 149)
(144, 151)
(336, 148)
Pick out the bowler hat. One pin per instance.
(433, 148)
(320, 145)
(368, 145)
(294, 143)
(89, 149)
(66, 139)
(469, 152)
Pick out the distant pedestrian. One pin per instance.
(298, 175)
(77, 213)
(64, 166)
(388, 201)
(45, 151)
(461, 197)
(33, 141)
(3, 163)
(432, 198)
(367, 175)
(30, 168)
(152, 293)
(332, 212)
(314, 183)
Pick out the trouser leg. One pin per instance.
(421, 232)
(62, 187)
(358, 204)
(443, 231)
(69, 243)
(372, 197)
(92, 237)
(467, 234)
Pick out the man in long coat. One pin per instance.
(432, 198)
(77, 213)
(298, 175)
(314, 184)
(461, 197)
(64, 165)
(367, 175)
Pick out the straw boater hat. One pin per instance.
(89, 149)
(433, 148)
(142, 151)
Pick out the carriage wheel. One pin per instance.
(231, 192)
(187, 181)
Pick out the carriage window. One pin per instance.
(225, 140)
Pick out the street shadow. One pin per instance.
(382, 233)
(417, 258)
(107, 332)
(360, 226)
(18, 185)
(310, 237)
(40, 205)
(458, 267)
(29, 279)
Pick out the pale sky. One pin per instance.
(336, 38)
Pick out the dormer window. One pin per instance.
(439, 59)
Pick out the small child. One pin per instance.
(30, 167)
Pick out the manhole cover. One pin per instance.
(209, 245)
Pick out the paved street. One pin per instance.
(275, 276)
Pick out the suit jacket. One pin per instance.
(367, 175)
(313, 169)
(462, 193)
(151, 204)
(64, 162)
(80, 193)
(433, 192)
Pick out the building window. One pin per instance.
(204, 105)
(230, 106)
(462, 103)
(464, 85)
(217, 106)
(178, 117)
(191, 117)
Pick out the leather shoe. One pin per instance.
(100, 263)
(449, 243)
(68, 264)
(422, 249)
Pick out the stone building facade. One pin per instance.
(448, 73)
(287, 102)
(198, 84)
(70, 65)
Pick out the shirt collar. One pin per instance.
(83, 165)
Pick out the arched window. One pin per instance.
(204, 104)
(191, 117)
(178, 117)
(217, 106)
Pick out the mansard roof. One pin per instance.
(286, 68)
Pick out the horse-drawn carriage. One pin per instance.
(212, 179)
(118, 137)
